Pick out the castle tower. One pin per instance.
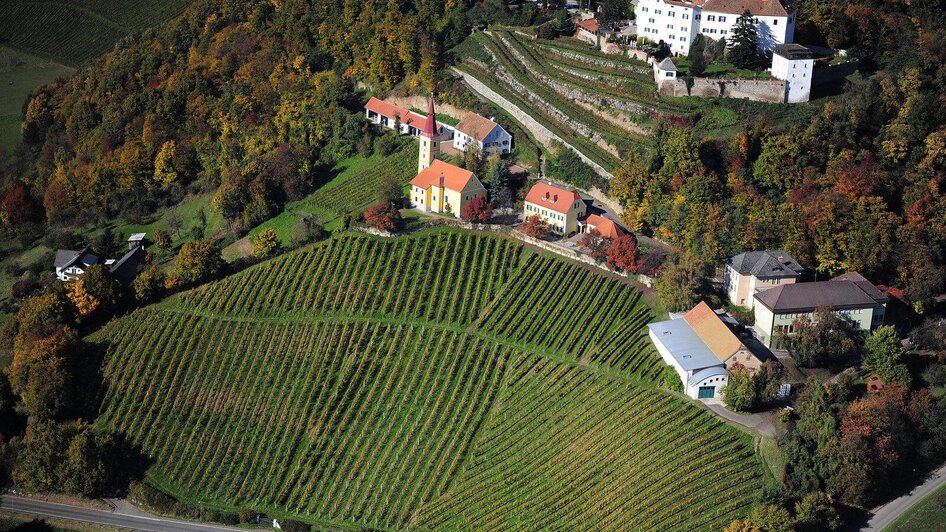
(429, 148)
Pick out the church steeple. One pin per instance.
(429, 148)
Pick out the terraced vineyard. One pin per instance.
(74, 31)
(562, 85)
(442, 380)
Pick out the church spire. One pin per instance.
(430, 126)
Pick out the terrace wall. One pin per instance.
(772, 91)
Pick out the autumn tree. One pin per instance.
(679, 283)
(477, 210)
(95, 292)
(266, 243)
(161, 239)
(164, 172)
(816, 512)
(40, 374)
(149, 285)
(623, 254)
(823, 339)
(594, 245)
(198, 261)
(383, 216)
(228, 202)
(739, 394)
(536, 227)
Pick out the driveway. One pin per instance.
(135, 519)
(761, 423)
(888, 513)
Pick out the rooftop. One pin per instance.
(686, 347)
(589, 24)
(606, 227)
(444, 174)
(836, 294)
(759, 8)
(66, 258)
(552, 197)
(667, 64)
(792, 51)
(476, 126)
(766, 264)
(713, 332)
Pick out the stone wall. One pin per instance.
(772, 91)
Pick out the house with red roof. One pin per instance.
(387, 115)
(444, 188)
(561, 208)
(605, 227)
(587, 30)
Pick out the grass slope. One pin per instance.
(74, 31)
(441, 380)
(20, 73)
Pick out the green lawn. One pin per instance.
(721, 70)
(20, 73)
(927, 515)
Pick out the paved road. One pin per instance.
(540, 132)
(886, 514)
(761, 423)
(100, 517)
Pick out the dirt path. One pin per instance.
(540, 132)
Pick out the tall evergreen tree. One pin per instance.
(612, 12)
(744, 52)
(696, 57)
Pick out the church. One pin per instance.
(440, 186)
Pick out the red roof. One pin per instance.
(605, 226)
(476, 126)
(384, 108)
(552, 197)
(759, 8)
(590, 25)
(430, 123)
(443, 174)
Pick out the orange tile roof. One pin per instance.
(714, 333)
(589, 24)
(552, 197)
(441, 173)
(476, 126)
(605, 226)
(759, 8)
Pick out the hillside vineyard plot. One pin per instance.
(441, 380)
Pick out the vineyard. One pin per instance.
(441, 380)
(74, 31)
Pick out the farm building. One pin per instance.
(70, 264)
(605, 227)
(387, 115)
(702, 349)
(561, 208)
(484, 133)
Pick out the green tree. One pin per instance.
(266, 243)
(164, 172)
(198, 261)
(89, 466)
(149, 285)
(38, 463)
(161, 239)
(612, 12)
(744, 50)
(697, 55)
(228, 202)
(883, 355)
(40, 373)
(679, 283)
(671, 379)
(739, 394)
(816, 512)
(391, 191)
(823, 340)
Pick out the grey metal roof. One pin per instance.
(706, 373)
(66, 258)
(805, 297)
(127, 267)
(684, 345)
(667, 64)
(766, 264)
(137, 237)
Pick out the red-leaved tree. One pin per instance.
(595, 245)
(623, 254)
(535, 227)
(383, 216)
(478, 210)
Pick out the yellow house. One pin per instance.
(559, 207)
(443, 187)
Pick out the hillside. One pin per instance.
(445, 379)
(74, 31)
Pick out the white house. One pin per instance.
(664, 70)
(677, 22)
(702, 349)
(388, 115)
(485, 134)
(753, 271)
(793, 63)
(71, 264)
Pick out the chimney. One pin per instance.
(442, 180)
(555, 198)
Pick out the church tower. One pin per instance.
(429, 148)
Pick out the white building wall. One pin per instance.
(692, 391)
(797, 73)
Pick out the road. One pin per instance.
(760, 423)
(888, 513)
(101, 517)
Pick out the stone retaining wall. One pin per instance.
(772, 91)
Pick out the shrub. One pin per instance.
(383, 216)
(535, 227)
(478, 210)
(294, 526)
(161, 239)
(266, 243)
(595, 245)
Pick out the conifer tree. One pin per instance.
(744, 52)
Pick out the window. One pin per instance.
(775, 22)
(710, 18)
(657, 11)
(651, 21)
(669, 26)
(684, 39)
(724, 32)
(672, 14)
(722, 19)
(644, 9)
(697, 17)
(685, 16)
